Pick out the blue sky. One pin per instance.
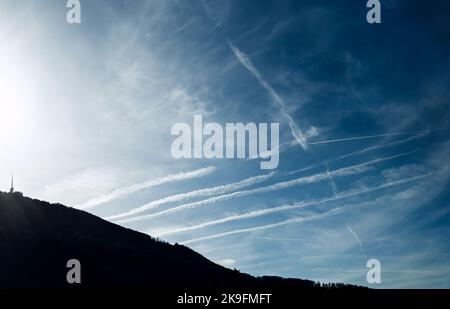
(86, 112)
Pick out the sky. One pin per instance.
(86, 112)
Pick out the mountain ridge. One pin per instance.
(37, 239)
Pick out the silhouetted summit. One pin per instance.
(38, 238)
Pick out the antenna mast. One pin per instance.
(12, 184)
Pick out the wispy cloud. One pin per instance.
(302, 204)
(351, 170)
(246, 62)
(331, 212)
(147, 184)
(196, 193)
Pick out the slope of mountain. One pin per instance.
(38, 238)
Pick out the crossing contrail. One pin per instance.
(332, 183)
(246, 62)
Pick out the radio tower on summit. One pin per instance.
(11, 190)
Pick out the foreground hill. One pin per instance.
(38, 238)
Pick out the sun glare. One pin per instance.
(16, 92)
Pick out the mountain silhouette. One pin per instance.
(37, 239)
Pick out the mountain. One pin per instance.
(37, 239)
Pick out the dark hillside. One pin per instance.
(37, 239)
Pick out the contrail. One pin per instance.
(303, 204)
(358, 152)
(268, 226)
(144, 185)
(332, 183)
(274, 187)
(356, 237)
(380, 146)
(246, 62)
(331, 212)
(184, 26)
(351, 170)
(357, 138)
(196, 193)
(374, 136)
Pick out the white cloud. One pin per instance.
(74, 188)
(227, 262)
